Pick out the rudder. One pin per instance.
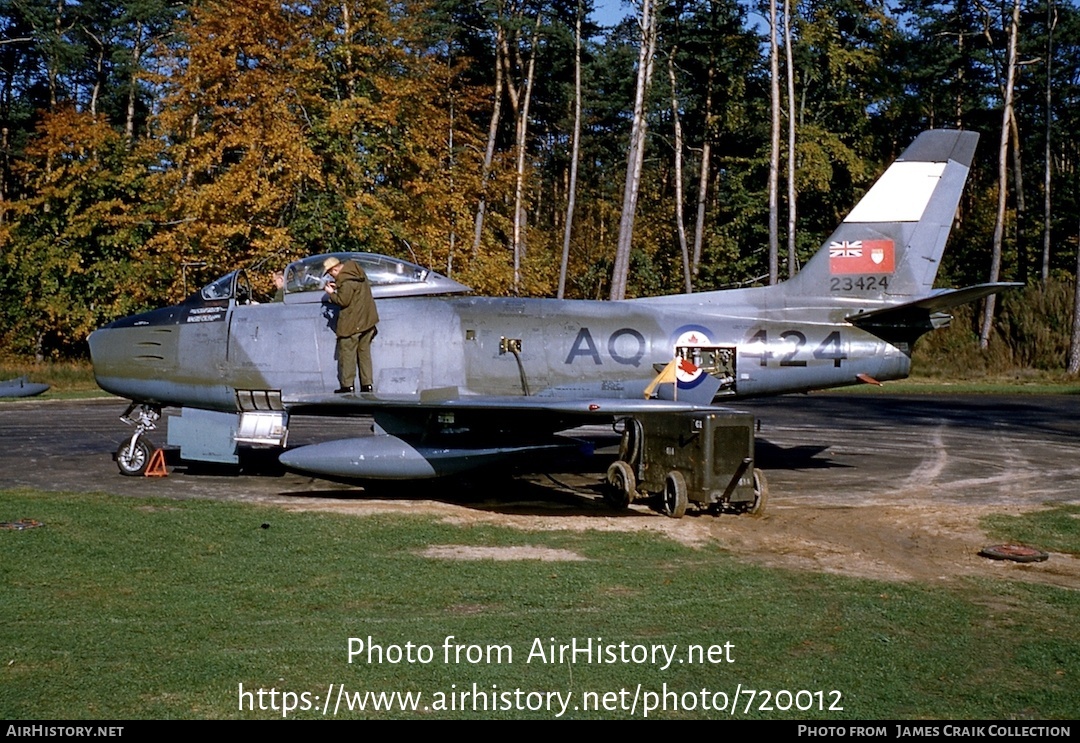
(890, 245)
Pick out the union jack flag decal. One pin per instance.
(862, 256)
(846, 249)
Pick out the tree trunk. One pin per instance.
(791, 139)
(1021, 207)
(99, 70)
(635, 153)
(522, 130)
(1003, 174)
(54, 62)
(1051, 24)
(489, 151)
(571, 190)
(350, 69)
(703, 174)
(774, 148)
(1074, 346)
(680, 226)
(133, 83)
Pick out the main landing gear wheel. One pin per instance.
(134, 461)
(621, 485)
(675, 500)
(761, 494)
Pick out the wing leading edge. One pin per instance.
(448, 400)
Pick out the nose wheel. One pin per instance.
(133, 455)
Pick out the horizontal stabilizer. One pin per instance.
(909, 313)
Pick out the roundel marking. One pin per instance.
(689, 335)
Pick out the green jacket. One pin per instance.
(353, 295)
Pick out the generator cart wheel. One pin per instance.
(675, 499)
(133, 462)
(761, 494)
(621, 485)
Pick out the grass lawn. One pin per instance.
(124, 608)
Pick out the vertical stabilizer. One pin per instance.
(890, 245)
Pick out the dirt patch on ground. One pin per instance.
(499, 554)
(905, 543)
(924, 543)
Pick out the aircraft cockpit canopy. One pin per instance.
(304, 280)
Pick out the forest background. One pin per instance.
(149, 146)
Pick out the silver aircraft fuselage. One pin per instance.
(203, 354)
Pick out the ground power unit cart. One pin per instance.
(699, 459)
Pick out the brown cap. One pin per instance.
(329, 263)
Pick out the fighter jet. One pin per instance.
(463, 381)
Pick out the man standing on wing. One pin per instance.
(350, 289)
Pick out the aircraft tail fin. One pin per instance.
(889, 247)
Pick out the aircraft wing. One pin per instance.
(450, 399)
(443, 432)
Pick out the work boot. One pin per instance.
(343, 391)
(365, 388)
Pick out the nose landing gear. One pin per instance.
(133, 455)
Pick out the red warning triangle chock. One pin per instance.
(156, 467)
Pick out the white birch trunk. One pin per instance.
(519, 175)
(636, 152)
(1051, 24)
(680, 225)
(571, 191)
(774, 149)
(1003, 168)
(703, 172)
(489, 151)
(791, 139)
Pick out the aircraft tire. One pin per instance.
(621, 485)
(675, 498)
(761, 494)
(134, 465)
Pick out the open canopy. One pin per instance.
(304, 279)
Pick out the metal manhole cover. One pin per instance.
(1014, 552)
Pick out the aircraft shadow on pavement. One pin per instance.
(770, 456)
(253, 463)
